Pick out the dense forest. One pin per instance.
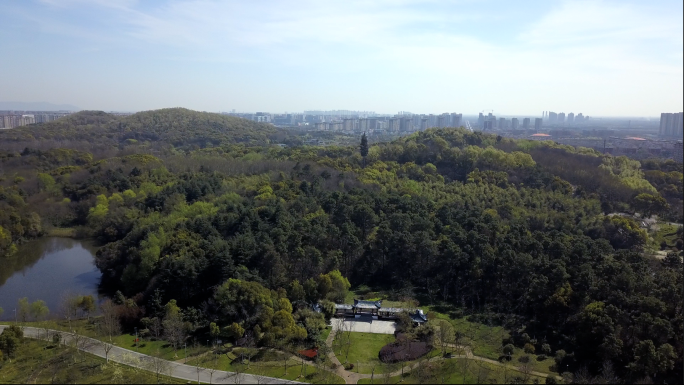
(202, 212)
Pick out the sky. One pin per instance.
(601, 58)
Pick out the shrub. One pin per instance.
(403, 351)
(524, 359)
(551, 380)
(546, 349)
(508, 349)
(560, 356)
(542, 357)
(529, 348)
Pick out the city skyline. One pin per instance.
(604, 58)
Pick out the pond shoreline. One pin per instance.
(45, 268)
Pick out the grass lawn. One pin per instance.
(666, 233)
(455, 371)
(267, 363)
(363, 349)
(484, 340)
(326, 332)
(539, 366)
(126, 341)
(36, 363)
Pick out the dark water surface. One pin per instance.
(45, 269)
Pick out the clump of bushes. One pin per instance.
(529, 348)
(403, 349)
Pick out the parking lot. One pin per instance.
(364, 325)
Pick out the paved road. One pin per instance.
(177, 370)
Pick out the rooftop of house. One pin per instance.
(367, 304)
(419, 316)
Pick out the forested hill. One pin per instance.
(179, 127)
(509, 232)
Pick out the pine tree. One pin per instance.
(364, 148)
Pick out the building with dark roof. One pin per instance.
(375, 310)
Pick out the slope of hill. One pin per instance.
(177, 126)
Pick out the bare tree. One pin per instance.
(445, 334)
(157, 365)
(259, 374)
(132, 361)
(286, 357)
(174, 331)
(348, 327)
(526, 370)
(387, 370)
(237, 372)
(69, 307)
(608, 375)
(482, 374)
(198, 368)
(211, 362)
(107, 347)
(109, 325)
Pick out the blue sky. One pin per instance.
(602, 58)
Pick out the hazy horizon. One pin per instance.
(600, 58)
(465, 114)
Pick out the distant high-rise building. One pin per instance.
(579, 118)
(526, 124)
(488, 124)
(432, 120)
(424, 124)
(538, 123)
(27, 119)
(502, 123)
(480, 120)
(553, 117)
(456, 120)
(571, 118)
(349, 124)
(442, 121)
(671, 125)
(393, 125)
(406, 124)
(514, 123)
(561, 117)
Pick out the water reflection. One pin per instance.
(46, 268)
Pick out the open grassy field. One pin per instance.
(126, 340)
(362, 349)
(37, 363)
(364, 352)
(665, 233)
(456, 371)
(483, 340)
(265, 362)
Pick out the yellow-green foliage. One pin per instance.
(629, 172)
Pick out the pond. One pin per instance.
(46, 269)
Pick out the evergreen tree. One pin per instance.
(364, 148)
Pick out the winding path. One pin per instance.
(353, 378)
(176, 370)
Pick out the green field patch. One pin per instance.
(455, 371)
(36, 363)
